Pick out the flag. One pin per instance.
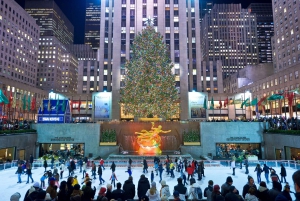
(24, 102)
(87, 104)
(33, 103)
(10, 100)
(14, 100)
(296, 91)
(226, 102)
(262, 101)
(275, 97)
(42, 105)
(220, 103)
(245, 102)
(57, 104)
(79, 103)
(254, 102)
(63, 106)
(29, 103)
(3, 98)
(290, 97)
(49, 105)
(20, 103)
(212, 106)
(204, 103)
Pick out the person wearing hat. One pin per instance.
(101, 193)
(275, 190)
(208, 190)
(15, 197)
(231, 195)
(263, 192)
(32, 193)
(296, 180)
(86, 178)
(195, 192)
(143, 186)
(274, 176)
(129, 188)
(183, 192)
(247, 186)
(176, 196)
(225, 187)
(251, 195)
(153, 193)
(216, 194)
(165, 190)
(285, 194)
(50, 189)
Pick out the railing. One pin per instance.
(138, 163)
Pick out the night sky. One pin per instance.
(75, 11)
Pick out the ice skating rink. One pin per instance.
(9, 185)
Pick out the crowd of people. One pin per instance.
(187, 187)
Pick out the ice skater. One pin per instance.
(258, 171)
(129, 171)
(19, 172)
(232, 165)
(113, 179)
(145, 166)
(100, 175)
(83, 169)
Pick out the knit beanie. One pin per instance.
(229, 179)
(216, 187)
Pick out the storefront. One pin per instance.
(62, 149)
(7, 154)
(227, 150)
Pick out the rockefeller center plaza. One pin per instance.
(149, 100)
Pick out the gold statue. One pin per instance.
(150, 141)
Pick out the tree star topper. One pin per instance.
(149, 21)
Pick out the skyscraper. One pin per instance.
(51, 20)
(177, 21)
(230, 36)
(92, 23)
(265, 29)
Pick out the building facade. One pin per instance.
(19, 36)
(92, 24)
(51, 20)
(177, 21)
(265, 29)
(230, 34)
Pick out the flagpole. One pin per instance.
(284, 104)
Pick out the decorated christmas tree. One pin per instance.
(149, 83)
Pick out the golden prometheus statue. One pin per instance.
(150, 141)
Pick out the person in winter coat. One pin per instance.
(275, 190)
(225, 187)
(190, 172)
(70, 186)
(83, 169)
(143, 186)
(285, 194)
(296, 180)
(183, 192)
(216, 194)
(247, 186)
(108, 192)
(233, 195)
(88, 192)
(153, 193)
(62, 195)
(266, 169)
(208, 190)
(51, 189)
(232, 165)
(100, 175)
(283, 173)
(86, 178)
(192, 191)
(165, 190)
(43, 178)
(160, 170)
(45, 165)
(93, 170)
(258, 171)
(145, 166)
(129, 188)
(62, 169)
(246, 165)
(113, 167)
(250, 196)
(183, 176)
(263, 192)
(113, 179)
(274, 176)
(76, 191)
(129, 171)
(118, 193)
(29, 174)
(201, 164)
(102, 163)
(19, 172)
(101, 193)
(32, 193)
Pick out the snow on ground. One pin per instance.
(9, 185)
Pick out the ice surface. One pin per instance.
(9, 185)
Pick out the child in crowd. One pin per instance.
(43, 178)
(113, 179)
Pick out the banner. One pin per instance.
(102, 105)
(197, 105)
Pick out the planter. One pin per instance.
(150, 119)
(108, 143)
(191, 143)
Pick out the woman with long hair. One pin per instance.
(153, 193)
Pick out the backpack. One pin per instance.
(197, 194)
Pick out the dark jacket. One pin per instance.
(19, 170)
(100, 170)
(216, 196)
(266, 169)
(143, 187)
(180, 188)
(109, 195)
(70, 189)
(28, 171)
(118, 194)
(284, 196)
(297, 195)
(263, 194)
(207, 192)
(246, 189)
(283, 172)
(31, 159)
(145, 164)
(88, 193)
(231, 197)
(225, 189)
(33, 195)
(273, 194)
(63, 195)
(45, 164)
(129, 189)
(113, 167)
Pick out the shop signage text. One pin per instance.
(62, 139)
(238, 139)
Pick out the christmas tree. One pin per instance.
(149, 83)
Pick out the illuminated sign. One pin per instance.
(51, 119)
(196, 105)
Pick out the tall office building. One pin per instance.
(265, 29)
(230, 35)
(51, 20)
(205, 7)
(92, 23)
(19, 36)
(176, 20)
